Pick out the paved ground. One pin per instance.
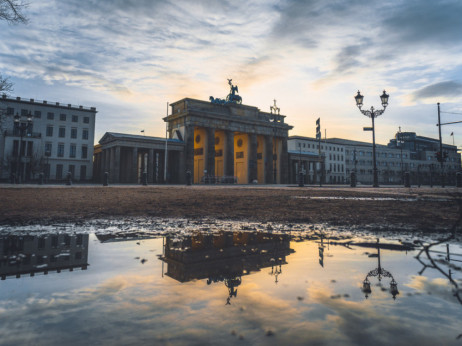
(421, 209)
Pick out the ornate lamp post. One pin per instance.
(379, 272)
(373, 113)
(21, 128)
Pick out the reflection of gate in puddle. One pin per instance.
(31, 254)
(225, 257)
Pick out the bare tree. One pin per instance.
(12, 11)
(5, 85)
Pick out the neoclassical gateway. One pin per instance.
(217, 141)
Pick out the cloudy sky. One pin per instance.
(128, 58)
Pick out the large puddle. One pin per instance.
(216, 284)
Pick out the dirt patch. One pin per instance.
(422, 209)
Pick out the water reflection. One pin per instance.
(266, 288)
(380, 273)
(30, 254)
(225, 257)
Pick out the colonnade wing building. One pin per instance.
(210, 142)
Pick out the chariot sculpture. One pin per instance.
(231, 98)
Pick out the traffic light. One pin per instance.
(318, 128)
(439, 158)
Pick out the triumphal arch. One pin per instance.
(226, 141)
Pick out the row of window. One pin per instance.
(71, 168)
(316, 146)
(62, 132)
(50, 115)
(72, 150)
(336, 168)
(337, 157)
(379, 154)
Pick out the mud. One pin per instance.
(418, 209)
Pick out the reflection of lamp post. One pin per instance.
(379, 272)
(373, 113)
(22, 128)
(276, 271)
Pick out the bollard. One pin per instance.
(145, 178)
(69, 178)
(353, 179)
(40, 179)
(188, 177)
(459, 179)
(407, 179)
(106, 179)
(300, 179)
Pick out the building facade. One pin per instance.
(324, 160)
(230, 141)
(126, 157)
(58, 140)
(413, 154)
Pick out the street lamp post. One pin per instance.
(401, 142)
(373, 113)
(22, 129)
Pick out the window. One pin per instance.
(49, 131)
(24, 112)
(84, 151)
(37, 114)
(62, 132)
(85, 134)
(86, 120)
(83, 172)
(79, 239)
(59, 170)
(10, 111)
(60, 150)
(62, 117)
(48, 148)
(50, 116)
(72, 170)
(29, 148)
(74, 132)
(72, 151)
(75, 119)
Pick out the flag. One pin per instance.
(452, 133)
(142, 131)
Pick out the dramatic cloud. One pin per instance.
(137, 55)
(446, 89)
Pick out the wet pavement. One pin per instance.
(138, 281)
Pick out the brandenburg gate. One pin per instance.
(226, 141)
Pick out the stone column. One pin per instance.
(210, 155)
(151, 166)
(103, 164)
(134, 166)
(189, 151)
(268, 160)
(252, 164)
(229, 154)
(284, 162)
(117, 164)
(111, 164)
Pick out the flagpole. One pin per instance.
(166, 148)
